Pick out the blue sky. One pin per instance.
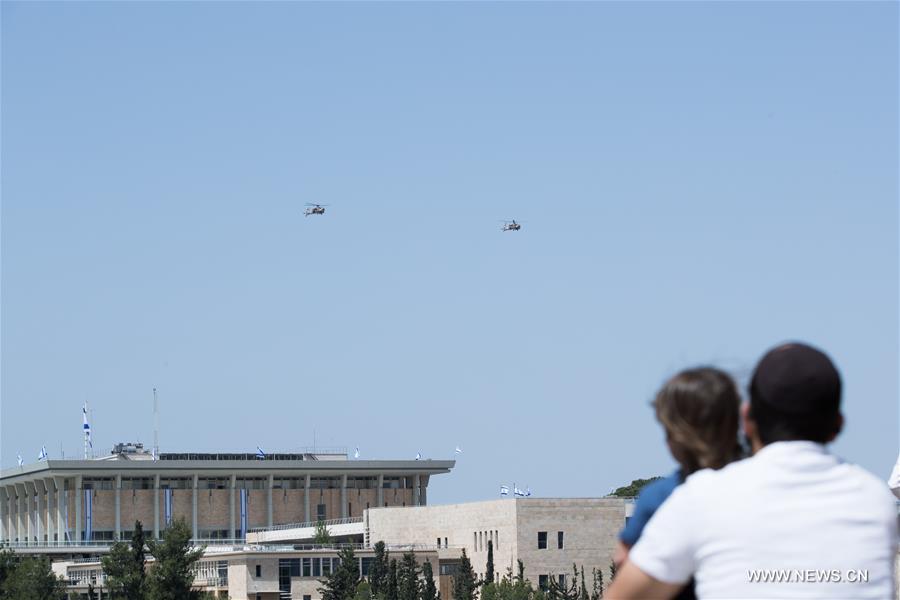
(697, 182)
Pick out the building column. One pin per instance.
(306, 516)
(21, 529)
(61, 525)
(4, 513)
(118, 484)
(39, 515)
(51, 526)
(156, 507)
(195, 483)
(231, 487)
(379, 494)
(78, 494)
(11, 532)
(270, 485)
(29, 510)
(416, 483)
(344, 514)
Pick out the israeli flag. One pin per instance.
(458, 450)
(527, 491)
(418, 456)
(517, 492)
(86, 426)
(504, 490)
(167, 506)
(260, 454)
(356, 454)
(153, 454)
(244, 512)
(19, 458)
(88, 515)
(43, 454)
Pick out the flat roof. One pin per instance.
(220, 468)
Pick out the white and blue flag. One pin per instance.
(244, 511)
(260, 454)
(86, 426)
(356, 454)
(458, 450)
(517, 492)
(418, 456)
(43, 454)
(504, 490)
(88, 515)
(527, 491)
(19, 459)
(167, 506)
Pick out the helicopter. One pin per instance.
(511, 226)
(314, 209)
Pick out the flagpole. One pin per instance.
(85, 430)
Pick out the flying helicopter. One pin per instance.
(314, 209)
(511, 226)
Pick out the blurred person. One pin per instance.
(699, 411)
(793, 521)
(894, 481)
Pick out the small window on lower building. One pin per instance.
(259, 570)
(562, 582)
(307, 597)
(439, 542)
(542, 540)
(559, 540)
(544, 582)
(258, 596)
(445, 543)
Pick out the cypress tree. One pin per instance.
(489, 571)
(391, 589)
(378, 572)
(408, 578)
(341, 584)
(172, 576)
(429, 590)
(464, 582)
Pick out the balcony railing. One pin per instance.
(327, 523)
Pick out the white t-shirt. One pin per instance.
(793, 513)
(894, 481)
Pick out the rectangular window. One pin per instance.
(544, 582)
(542, 540)
(317, 567)
(562, 582)
(307, 567)
(439, 542)
(259, 570)
(496, 539)
(326, 567)
(559, 540)
(445, 543)
(307, 597)
(320, 512)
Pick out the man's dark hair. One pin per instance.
(795, 394)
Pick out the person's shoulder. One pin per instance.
(871, 489)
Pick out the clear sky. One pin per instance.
(697, 182)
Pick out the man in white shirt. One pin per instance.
(793, 521)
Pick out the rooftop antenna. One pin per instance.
(155, 425)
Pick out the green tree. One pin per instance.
(171, 577)
(125, 567)
(7, 566)
(91, 592)
(429, 589)
(566, 591)
(520, 570)
(379, 571)
(341, 584)
(322, 535)
(363, 591)
(489, 569)
(612, 570)
(31, 579)
(582, 591)
(390, 592)
(597, 585)
(464, 583)
(408, 578)
(633, 489)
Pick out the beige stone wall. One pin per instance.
(589, 526)
(137, 505)
(213, 509)
(103, 507)
(287, 506)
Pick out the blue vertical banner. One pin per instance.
(88, 514)
(68, 531)
(243, 514)
(167, 506)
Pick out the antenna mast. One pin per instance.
(155, 425)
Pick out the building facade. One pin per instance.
(220, 496)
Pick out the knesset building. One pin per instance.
(221, 496)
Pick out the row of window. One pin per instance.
(247, 483)
(544, 582)
(542, 540)
(481, 539)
